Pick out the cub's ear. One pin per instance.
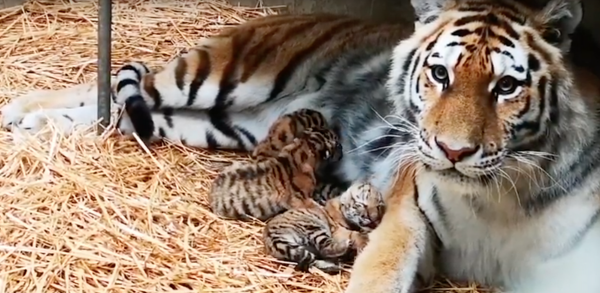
(427, 11)
(558, 20)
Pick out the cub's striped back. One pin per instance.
(286, 128)
(271, 185)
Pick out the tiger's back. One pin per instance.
(259, 62)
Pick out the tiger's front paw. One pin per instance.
(14, 112)
(65, 120)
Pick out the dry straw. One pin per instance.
(89, 214)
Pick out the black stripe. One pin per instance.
(140, 116)
(180, 71)
(161, 132)
(146, 69)
(259, 52)
(489, 19)
(229, 81)
(285, 74)
(508, 12)
(413, 71)
(127, 81)
(131, 68)
(153, 92)
(68, 117)
(211, 142)
(249, 136)
(435, 197)
(570, 178)
(431, 228)
(579, 236)
(554, 111)
(461, 32)
(201, 74)
(533, 63)
(401, 84)
(219, 120)
(168, 115)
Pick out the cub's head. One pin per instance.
(362, 206)
(324, 142)
(483, 80)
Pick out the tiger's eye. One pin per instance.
(506, 85)
(439, 73)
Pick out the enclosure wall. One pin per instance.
(385, 10)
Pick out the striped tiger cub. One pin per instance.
(325, 191)
(286, 128)
(323, 236)
(271, 185)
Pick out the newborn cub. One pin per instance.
(322, 236)
(287, 127)
(272, 185)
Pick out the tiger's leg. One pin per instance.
(202, 129)
(215, 129)
(66, 120)
(34, 103)
(397, 248)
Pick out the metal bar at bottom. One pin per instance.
(104, 61)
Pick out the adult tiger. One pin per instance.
(481, 94)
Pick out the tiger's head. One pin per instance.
(481, 80)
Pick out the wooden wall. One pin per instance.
(10, 3)
(385, 10)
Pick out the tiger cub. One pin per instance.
(272, 185)
(325, 191)
(323, 236)
(286, 128)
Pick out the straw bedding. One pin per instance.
(98, 214)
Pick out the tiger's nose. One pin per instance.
(455, 154)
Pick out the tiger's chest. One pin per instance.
(488, 238)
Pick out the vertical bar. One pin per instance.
(104, 61)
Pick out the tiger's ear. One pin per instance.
(558, 20)
(427, 11)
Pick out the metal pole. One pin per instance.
(104, 61)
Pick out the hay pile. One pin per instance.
(89, 214)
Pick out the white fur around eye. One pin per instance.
(516, 93)
(503, 98)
